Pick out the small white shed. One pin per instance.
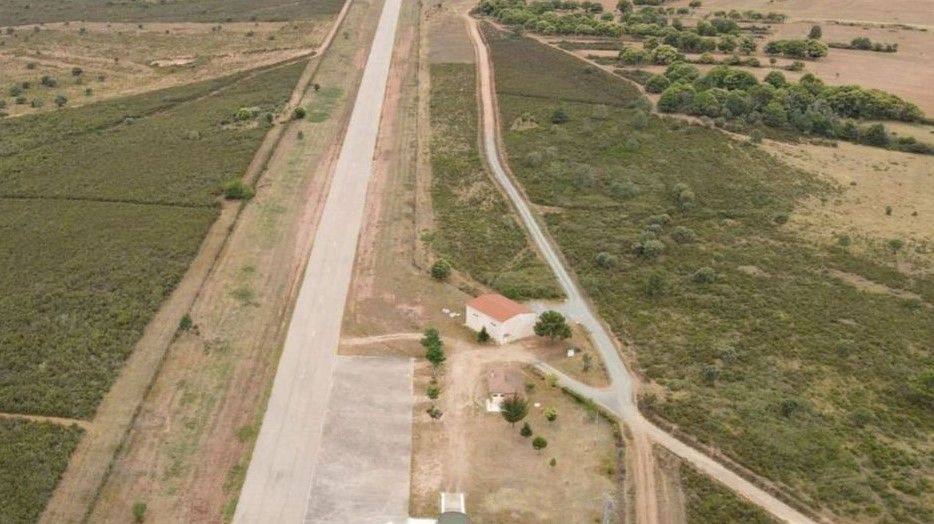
(505, 320)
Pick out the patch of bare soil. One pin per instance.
(870, 286)
(895, 11)
(478, 453)
(446, 31)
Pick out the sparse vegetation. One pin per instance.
(707, 502)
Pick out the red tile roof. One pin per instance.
(497, 307)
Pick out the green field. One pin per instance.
(678, 234)
(476, 231)
(707, 502)
(21, 12)
(101, 210)
(33, 456)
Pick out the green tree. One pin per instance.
(559, 116)
(657, 84)
(434, 348)
(539, 443)
(299, 113)
(483, 336)
(553, 325)
(514, 409)
(526, 430)
(441, 270)
(431, 337)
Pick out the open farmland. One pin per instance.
(32, 457)
(21, 12)
(86, 62)
(746, 339)
(104, 207)
(476, 231)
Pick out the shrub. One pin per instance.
(36, 103)
(815, 33)
(483, 336)
(664, 55)
(605, 260)
(299, 113)
(780, 218)
(551, 414)
(433, 390)
(559, 116)
(139, 511)
(704, 275)
(185, 323)
(682, 72)
(657, 84)
(755, 137)
(526, 430)
(539, 443)
(640, 119)
(48, 81)
(15, 90)
(237, 190)
(775, 79)
(895, 245)
(676, 98)
(61, 100)
(656, 284)
(77, 71)
(683, 235)
(441, 270)
(707, 58)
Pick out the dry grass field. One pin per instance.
(91, 61)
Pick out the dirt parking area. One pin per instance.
(362, 473)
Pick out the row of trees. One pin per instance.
(809, 48)
(808, 106)
(863, 43)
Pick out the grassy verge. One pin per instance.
(477, 232)
(33, 456)
(100, 218)
(707, 502)
(20, 12)
(677, 234)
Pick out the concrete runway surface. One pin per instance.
(281, 472)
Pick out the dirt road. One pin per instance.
(623, 403)
(281, 471)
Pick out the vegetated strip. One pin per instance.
(80, 279)
(679, 236)
(103, 200)
(32, 458)
(18, 12)
(707, 502)
(477, 232)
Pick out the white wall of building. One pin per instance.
(515, 328)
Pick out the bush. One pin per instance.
(139, 511)
(656, 284)
(61, 100)
(299, 113)
(185, 323)
(551, 414)
(605, 260)
(683, 235)
(237, 190)
(48, 81)
(657, 84)
(539, 443)
(704, 275)
(815, 33)
(526, 430)
(433, 391)
(483, 336)
(441, 270)
(776, 79)
(664, 55)
(559, 116)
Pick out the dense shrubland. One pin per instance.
(807, 106)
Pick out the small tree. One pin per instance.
(657, 283)
(431, 337)
(299, 113)
(553, 325)
(185, 323)
(815, 33)
(895, 245)
(483, 336)
(539, 443)
(433, 391)
(526, 430)
(435, 355)
(551, 414)
(61, 100)
(139, 511)
(514, 409)
(588, 362)
(441, 270)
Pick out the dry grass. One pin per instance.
(118, 59)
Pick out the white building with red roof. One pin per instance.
(505, 320)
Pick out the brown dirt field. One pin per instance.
(190, 444)
(895, 11)
(446, 32)
(870, 179)
(133, 60)
(467, 449)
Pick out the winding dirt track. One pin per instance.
(619, 398)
